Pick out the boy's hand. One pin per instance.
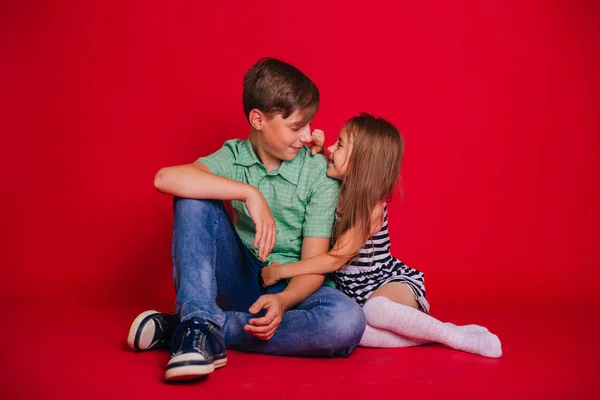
(266, 236)
(265, 327)
(270, 274)
(318, 140)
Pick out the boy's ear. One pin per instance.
(257, 119)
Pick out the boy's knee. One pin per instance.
(351, 323)
(195, 207)
(348, 324)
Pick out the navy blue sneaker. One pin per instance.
(152, 330)
(197, 348)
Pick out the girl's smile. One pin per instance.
(339, 154)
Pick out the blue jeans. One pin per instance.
(218, 279)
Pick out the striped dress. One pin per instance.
(374, 266)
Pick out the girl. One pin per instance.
(366, 158)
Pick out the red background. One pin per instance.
(498, 105)
(497, 101)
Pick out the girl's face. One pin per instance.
(339, 155)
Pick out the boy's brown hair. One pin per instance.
(275, 87)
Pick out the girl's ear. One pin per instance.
(257, 119)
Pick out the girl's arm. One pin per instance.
(344, 249)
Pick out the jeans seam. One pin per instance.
(247, 253)
(214, 258)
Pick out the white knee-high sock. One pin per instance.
(375, 337)
(409, 322)
(382, 338)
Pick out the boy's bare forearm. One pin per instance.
(195, 181)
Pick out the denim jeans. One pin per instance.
(218, 279)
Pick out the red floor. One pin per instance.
(48, 353)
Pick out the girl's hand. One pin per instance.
(318, 140)
(270, 274)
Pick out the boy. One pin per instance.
(284, 208)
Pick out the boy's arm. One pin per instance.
(316, 230)
(196, 181)
(297, 290)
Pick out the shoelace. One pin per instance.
(199, 331)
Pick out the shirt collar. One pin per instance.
(289, 170)
(246, 156)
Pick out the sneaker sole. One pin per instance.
(188, 372)
(136, 331)
(220, 363)
(188, 366)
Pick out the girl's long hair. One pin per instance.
(372, 175)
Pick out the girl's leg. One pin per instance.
(393, 307)
(381, 338)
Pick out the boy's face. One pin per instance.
(283, 138)
(339, 154)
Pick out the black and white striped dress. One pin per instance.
(375, 266)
